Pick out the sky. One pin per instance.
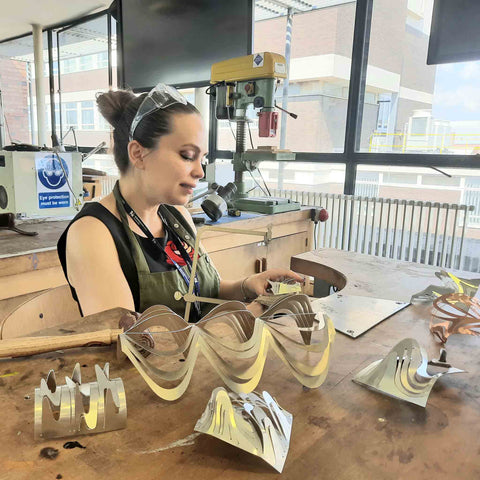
(457, 92)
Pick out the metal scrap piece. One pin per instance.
(79, 408)
(451, 284)
(402, 373)
(455, 313)
(253, 422)
(235, 343)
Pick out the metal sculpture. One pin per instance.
(78, 408)
(451, 284)
(402, 373)
(253, 422)
(455, 313)
(234, 342)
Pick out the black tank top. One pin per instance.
(157, 261)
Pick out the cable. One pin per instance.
(264, 183)
(258, 185)
(250, 134)
(68, 183)
(8, 128)
(253, 148)
(75, 138)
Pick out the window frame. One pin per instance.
(351, 156)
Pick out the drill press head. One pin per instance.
(237, 84)
(249, 80)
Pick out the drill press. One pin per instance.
(236, 84)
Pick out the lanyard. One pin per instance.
(178, 243)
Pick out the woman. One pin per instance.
(133, 249)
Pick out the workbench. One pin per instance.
(30, 264)
(340, 431)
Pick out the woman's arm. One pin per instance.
(252, 286)
(93, 268)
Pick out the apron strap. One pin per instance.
(137, 253)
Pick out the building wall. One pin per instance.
(415, 73)
(387, 34)
(14, 88)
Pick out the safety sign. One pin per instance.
(54, 177)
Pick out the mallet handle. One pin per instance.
(19, 347)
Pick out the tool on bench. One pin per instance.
(23, 346)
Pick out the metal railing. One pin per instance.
(460, 143)
(431, 233)
(108, 182)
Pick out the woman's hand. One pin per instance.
(256, 285)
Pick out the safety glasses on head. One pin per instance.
(161, 96)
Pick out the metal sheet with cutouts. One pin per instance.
(354, 315)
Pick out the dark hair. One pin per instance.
(119, 109)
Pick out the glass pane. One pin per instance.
(82, 76)
(71, 114)
(412, 107)
(321, 46)
(17, 85)
(87, 115)
(432, 205)
(301, 176)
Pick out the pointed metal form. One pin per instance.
(79, 408)
(402, 373)
(253, 422)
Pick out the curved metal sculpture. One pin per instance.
(78, 408)
(254, 423)
(455, 313)
(402, 373)
(235, 343)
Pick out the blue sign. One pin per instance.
(51, 174)
(53, 200)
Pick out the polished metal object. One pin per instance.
(455, 313)
(354, 315)
(402, 373)
(78, 408)
(285, 287)
(253, 422)
(235, 343)
(451, 284)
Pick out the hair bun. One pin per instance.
(112, 105)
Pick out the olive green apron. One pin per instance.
(158, 288)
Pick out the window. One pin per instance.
(102, 60)
(71, 115)
(320, 60)
(384, 108)
(83, 50)
(301, 176)
(86, 62)
(87, 115)
(431, 108)
(17, 85)
(69, 65)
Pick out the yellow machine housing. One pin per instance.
(249, 67)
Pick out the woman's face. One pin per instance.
(173, 169)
